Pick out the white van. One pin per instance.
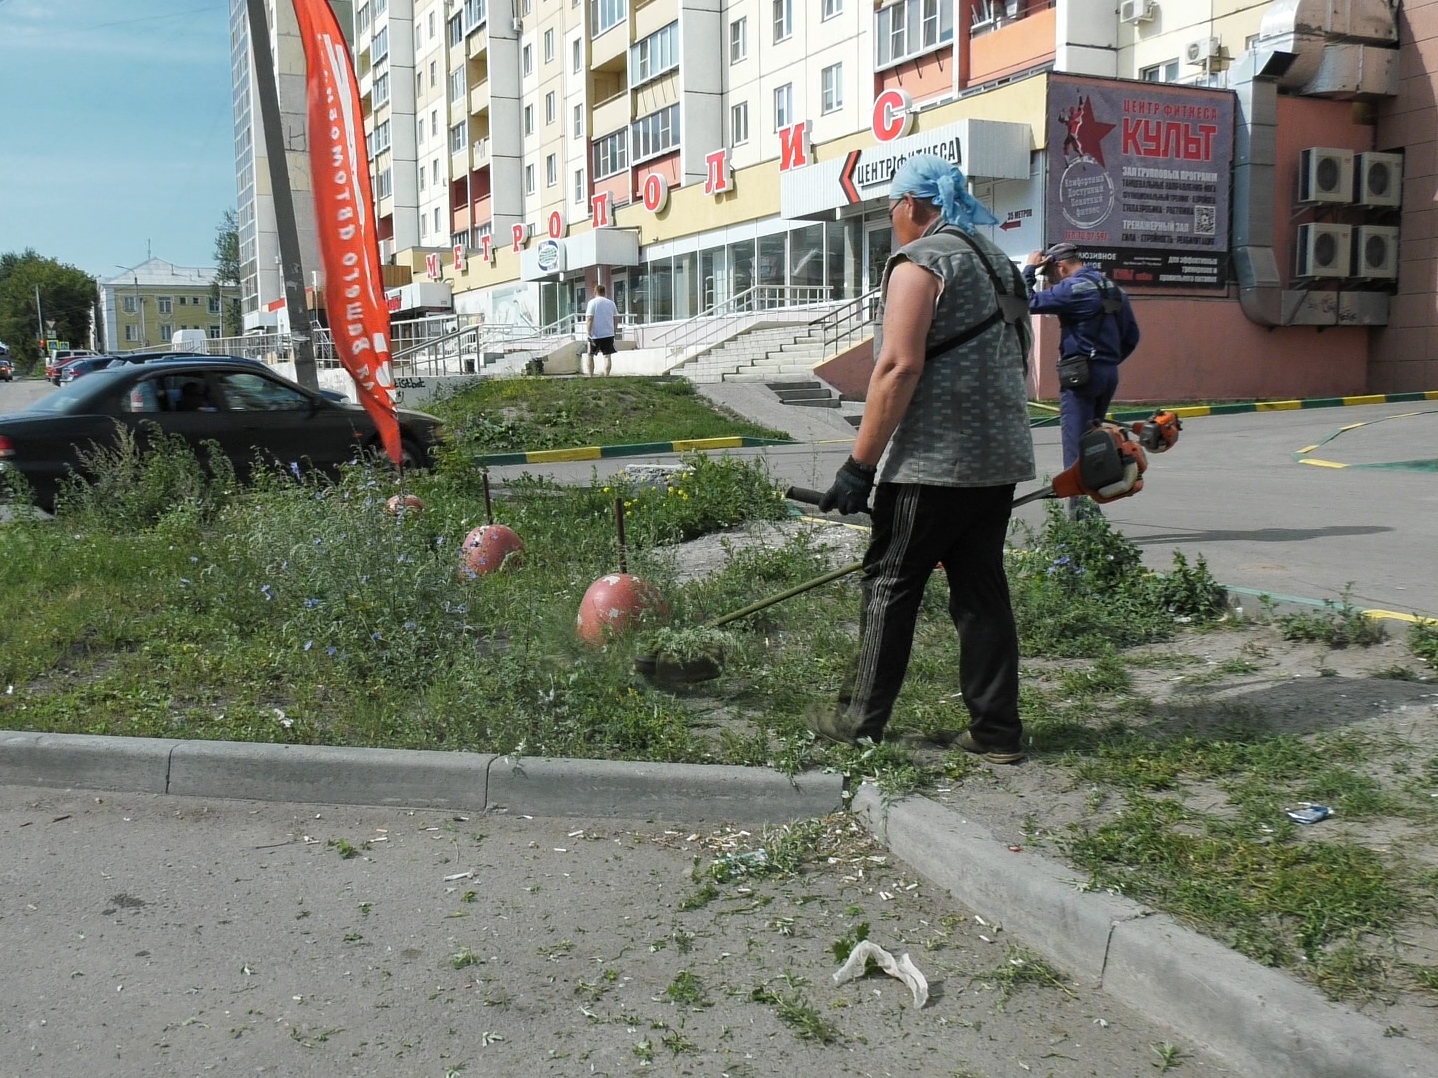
(191, 341)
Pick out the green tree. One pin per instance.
(226, 287)
(67, 297)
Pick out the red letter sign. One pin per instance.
(520, 233)
(486, 248)
(557, 225)
(431, 266)
(459, 258)
(794, 149)
(656, 193)
(720, 177)
(893, 115)
(602, 207)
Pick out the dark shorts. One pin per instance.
(601, 344)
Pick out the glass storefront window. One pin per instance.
(741, 266)
(845, 253)
(713, 278)
(772, 268)
(806, 260)
(686, 285)
(639, 293)
(661, 290)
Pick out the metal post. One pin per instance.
(40, 318)
(291, 270)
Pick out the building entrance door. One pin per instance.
(878, 242)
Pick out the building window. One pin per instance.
(529, 179)
(579, 192)
(579, 121)
(384, 184)
(423, 178)
(166, 331)
(128, 305)
(576, 49)
(833, 83)
(474, 14)
(380, 7)
(551, 170)
(739, 124)
(434, 172)
(608, 14)
(362, 19)
(1166, 72)
(456, 31)
(912, 28)
(214, 330)
(379, 48)
(527, 65)
(381, 137)
(784, 106)
(738, 40)
(526, 7)
(431, 25)
(784, 19)
(214, 305)
(436, 221)
(456, 85)
(423, 226)
(656, 54)
(529, 119)
(611, 154)
(434, 123)
(132, 332)
(381, 89)
(165, 305)
(551, 108)
(418, 83)
(456, 138)
(549, 46)
(656, 133)
(421, 130)
(832, 8)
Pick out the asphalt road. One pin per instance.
(157, 936)
(20, 394)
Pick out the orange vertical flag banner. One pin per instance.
(344, 218)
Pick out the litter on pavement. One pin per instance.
(902, 968)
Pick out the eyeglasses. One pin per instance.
(892, 207)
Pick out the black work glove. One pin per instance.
(850, 492)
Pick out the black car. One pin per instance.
(252, 413)
(127, 358)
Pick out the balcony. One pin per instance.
(1006, 44)
(478, 44)
(459, 162)
(479, 153)
(479, 98)
(611, 115)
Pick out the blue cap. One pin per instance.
(930, 177)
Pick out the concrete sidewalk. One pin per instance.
(1261, 1023)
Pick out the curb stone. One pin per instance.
(1258, 1020)
(418, 778)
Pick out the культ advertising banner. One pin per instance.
(1139, 176)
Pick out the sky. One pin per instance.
(116, 130)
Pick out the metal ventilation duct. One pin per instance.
(1305, 27)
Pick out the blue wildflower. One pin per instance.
(309, 644)
(310, 604)
(331, 652)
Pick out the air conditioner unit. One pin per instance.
(1325, 175)
(1375, 252)
(1323, 250)
(1203, 51)
(516, 24)
(1378, 179)
(1136, 11)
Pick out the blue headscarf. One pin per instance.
(929, 176)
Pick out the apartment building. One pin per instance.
(262, 290)
(696, 154)
(144, 306)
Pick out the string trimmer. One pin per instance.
(1112, 460)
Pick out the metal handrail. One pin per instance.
(842, 326)
(713, 325)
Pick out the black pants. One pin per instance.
(915, 527)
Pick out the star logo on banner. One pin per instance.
(1091, 133)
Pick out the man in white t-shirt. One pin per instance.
(601, 315)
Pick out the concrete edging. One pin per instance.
(1260, 1021)
(414, 778)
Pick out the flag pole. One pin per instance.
(292, 271)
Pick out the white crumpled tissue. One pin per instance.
(902, 967)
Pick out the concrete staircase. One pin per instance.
(806, 394)
(772, 353)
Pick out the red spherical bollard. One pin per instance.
(407, 503)
(614, 604)
(489, 548)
